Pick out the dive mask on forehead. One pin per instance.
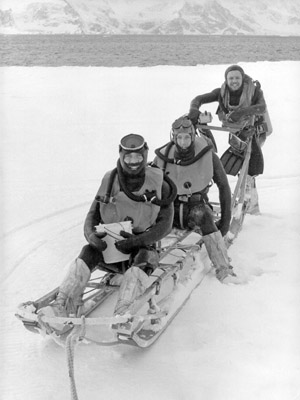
(183, 125)
(182, 122)
(133, 143)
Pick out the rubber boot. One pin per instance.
(217, 252)
(133, 285)
(252, 195)
(70, 293)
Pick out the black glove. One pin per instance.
(222, 226)
(95, 240)
(126, 235)
(128, 245)
(193, 115)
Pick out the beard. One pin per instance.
(134, 181)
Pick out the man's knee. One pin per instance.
(147, 259)
(202, 217)
(208, 223)
(90, 256)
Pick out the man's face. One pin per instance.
(183, 140)
(234, 80)
(133, 161)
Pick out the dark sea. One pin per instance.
(143, 50)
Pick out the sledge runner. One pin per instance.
(124, 195)
(190, 162)
(241, 105)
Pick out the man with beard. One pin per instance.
(241, 106)
(134, 192)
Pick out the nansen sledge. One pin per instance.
(183, 265)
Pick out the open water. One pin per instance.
(143, 50)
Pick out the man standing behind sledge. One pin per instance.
(241, 104)
(190, 162)
(124, 195)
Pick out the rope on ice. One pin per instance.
(77, 334)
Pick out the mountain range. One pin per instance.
(165, 17)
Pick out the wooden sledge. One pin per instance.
(183, 265)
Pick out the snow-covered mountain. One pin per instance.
(217, 17)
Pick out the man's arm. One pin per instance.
(92, 219)
(210, 97)
(258, 103)
(220, 178)
(197, 102)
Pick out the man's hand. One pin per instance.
(193, 115)
(95, 240)
(125, 246)
(126, 235)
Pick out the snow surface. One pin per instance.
(60, 133)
